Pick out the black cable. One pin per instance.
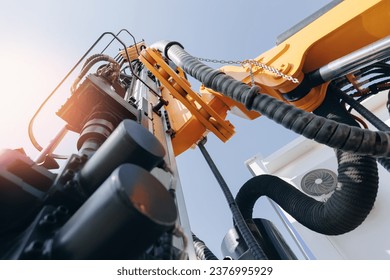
(374, 120)
(247, 235)
(362, 98)
(371, 83)
(369, 116)
(388, 101)
(377, 71)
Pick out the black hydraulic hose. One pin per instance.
(91, 58)
(88, 65)
(347, 207)
(242, 227)
(201, 250)
(374, 120)
(333, 134)
(388, 101)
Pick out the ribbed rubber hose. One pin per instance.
(247, 236)
(328, 132)
(344, 211)
(201, 250)
(347, 207)
(88, 65)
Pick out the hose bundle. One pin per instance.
(333, 134)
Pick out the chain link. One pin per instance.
(252, 63)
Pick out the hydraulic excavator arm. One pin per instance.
(290, 72)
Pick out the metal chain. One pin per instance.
(252, 63)
(252, 76)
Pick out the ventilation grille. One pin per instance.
(319, 182)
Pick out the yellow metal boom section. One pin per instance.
(347, 27)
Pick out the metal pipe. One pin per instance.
(52, 145)
(356, 60)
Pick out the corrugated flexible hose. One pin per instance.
(331, 133)
(347, 207)
(201, 250)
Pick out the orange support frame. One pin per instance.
(204, 115)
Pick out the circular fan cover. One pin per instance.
(319, 181)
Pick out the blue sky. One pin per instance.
(41, 40)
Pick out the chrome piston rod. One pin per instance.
(358, 59)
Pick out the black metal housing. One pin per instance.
(129, 143)
(120, 220)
